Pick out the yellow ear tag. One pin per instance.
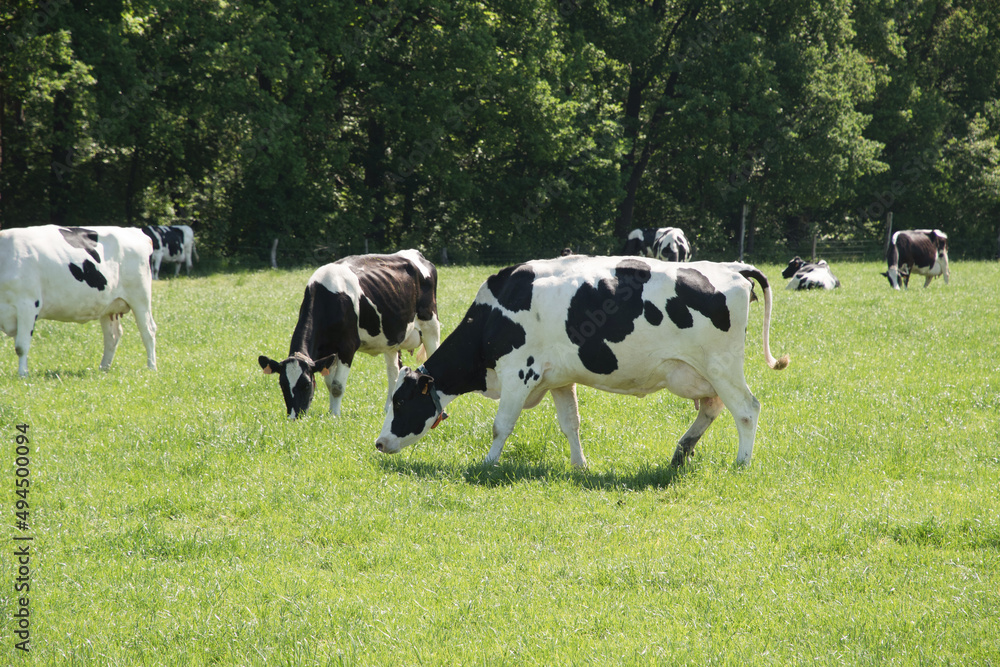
(425, 389)
(267, 370)
(325, 372)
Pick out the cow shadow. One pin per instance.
(508, 473)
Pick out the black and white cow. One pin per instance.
(171, 244)
(666, 243)
(377, 304)
(619, 324)
(74, 274)
(923, 251)
(809, 275)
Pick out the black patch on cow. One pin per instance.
(173, 240)
(89, 274)
(512, 287)
(606, 313)
(327, 325)
(528, 375)
(85, 239)
(652, 313)
(153, 236)
(483, 336)
(368, 317)
(694, 291)
(531, 361)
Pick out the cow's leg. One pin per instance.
(928, 280)
(745, 409)
(708, 410)
(112, 327)
(177, 271)
(147, 331)
(511, 404)
(336, 381)
(27, 315)
(568, 413)
(392, 373)
(156, 267)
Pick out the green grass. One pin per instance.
(179, 518)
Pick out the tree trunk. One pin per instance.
(375, 174)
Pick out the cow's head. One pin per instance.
(415, 409)
(296, 379)
(793, 265)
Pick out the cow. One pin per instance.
(809, 275)
(377, 304)
(923, 251)
(171, 244)
(666, 243)
(619, 324)
(75, 274)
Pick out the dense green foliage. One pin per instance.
(180, 519)
(503, 129)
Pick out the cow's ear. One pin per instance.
(268, 365)
(323, 365)
(424, 383)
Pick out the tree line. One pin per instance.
(503, 129)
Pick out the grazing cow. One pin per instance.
(75, 274)
(377, 304)
(171, 244)
(809, 275)
(666, 243)
(620, 324)
(923, 251)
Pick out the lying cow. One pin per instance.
(923, 251)
(377, 304)
(666, 243)
(171, 244)
(620, 324)
(74, 274)
(809, 275)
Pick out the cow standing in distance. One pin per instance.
(666, 243)
(171, 244)
(75, 274)
(377, 304)
(923, 251)
(619, 324)
(809, 275)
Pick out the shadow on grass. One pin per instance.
(514, 472)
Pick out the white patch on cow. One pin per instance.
(417, 260)
(293, 373)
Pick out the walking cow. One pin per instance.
(377, 304)
(922, 251)
(619, 324)
(75, 274)
(171, 244)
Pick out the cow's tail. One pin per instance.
(750, 272)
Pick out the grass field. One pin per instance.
(178, 518)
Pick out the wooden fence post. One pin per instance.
(274, 254)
